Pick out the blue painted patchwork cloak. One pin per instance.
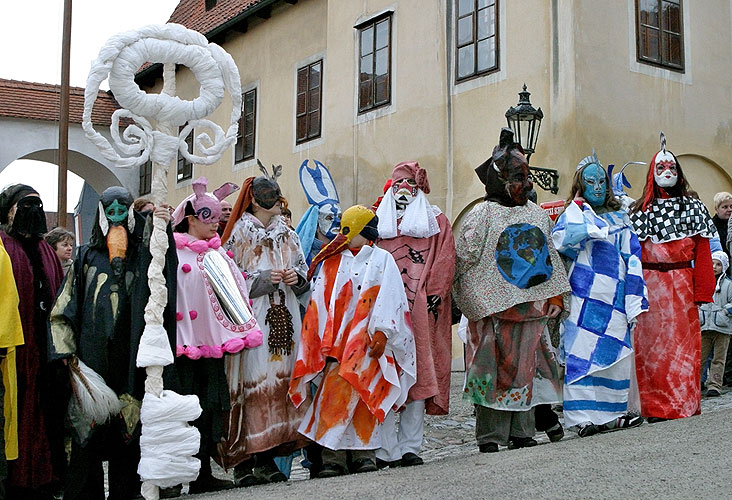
(608, 294)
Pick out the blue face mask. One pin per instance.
(594, 180)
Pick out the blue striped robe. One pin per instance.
(608, 293)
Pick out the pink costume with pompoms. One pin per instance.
(204, 330)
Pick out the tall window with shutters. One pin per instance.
(476, 38)
(185, 168)
(374, 84)
(659, 33)
(146, 177)
(244, 148)
(309, 99)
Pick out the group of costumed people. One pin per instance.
(625, 278)
(335, 339)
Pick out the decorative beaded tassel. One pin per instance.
(281, 330)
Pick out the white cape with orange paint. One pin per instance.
(354, 297)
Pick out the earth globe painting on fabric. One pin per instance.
(522, 255)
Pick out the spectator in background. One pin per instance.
(722, 211)
(62, 241)
(224, 218)
(716, 325)
(287, 215)
(143, 205)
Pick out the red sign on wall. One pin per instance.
(553, 208)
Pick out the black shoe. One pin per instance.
(713, 393)
(488, 447)
(555, 433)
(208, 484)
(269, 474)
(409, 459)
(172, 492)
(588, 430)
(331, 470)
(514, 443)
(244, 477)
(623, 422)
(382, 464)
(363, 465)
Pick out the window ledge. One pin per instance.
(659, 72)
(480, 81)
(184, 183)
(241, 165)
(305, 146)
(376, 113)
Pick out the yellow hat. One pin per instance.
(359, 220)
(354, 221)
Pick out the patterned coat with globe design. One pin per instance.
(507, 272)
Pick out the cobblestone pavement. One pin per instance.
(454, 434)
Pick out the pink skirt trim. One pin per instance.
(231, 346)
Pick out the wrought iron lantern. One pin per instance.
(525, 121)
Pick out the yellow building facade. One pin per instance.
(579, 59)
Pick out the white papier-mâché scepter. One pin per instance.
(166, 450)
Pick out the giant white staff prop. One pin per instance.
(167, 442)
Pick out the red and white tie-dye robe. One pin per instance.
(668, 337)
(354, 297)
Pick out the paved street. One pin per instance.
(682, 459)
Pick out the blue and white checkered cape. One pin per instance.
(608, 293)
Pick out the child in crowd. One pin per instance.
(722, 211)
(716, 325)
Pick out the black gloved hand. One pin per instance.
(433, 302)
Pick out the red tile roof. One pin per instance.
(40, 101)
(193, 14)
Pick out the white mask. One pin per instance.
(664, 170)
(329, 220)
(405, 191)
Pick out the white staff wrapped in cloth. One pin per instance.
(164, 462)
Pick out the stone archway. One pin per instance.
(706, 177)
(38, 140)
(97, 175)
(457, 223)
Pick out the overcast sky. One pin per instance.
(32, 30)
(31, 50)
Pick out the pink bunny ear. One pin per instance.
(225, 190)
(199, 186)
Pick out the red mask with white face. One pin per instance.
(664, 170)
